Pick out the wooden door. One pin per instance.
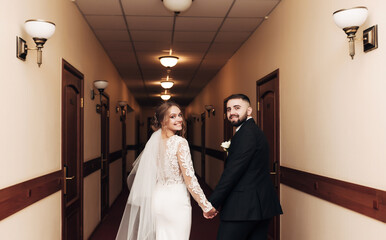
(203, 146)
(228, 128)
(105, 116)
(268, 121)
(72, 152)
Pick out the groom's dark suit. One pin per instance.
(245, 191)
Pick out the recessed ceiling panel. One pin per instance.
(99, 7)
(112, 35)
(151, 36)
(191, 46)
(150, 23)
(145, 8)
(117, 46)
(241, 24)
(208, 8)
(194, 37)
(232, 37)
(198, 24)
(162, 47)
(106, 22)
(252, 8)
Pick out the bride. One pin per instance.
(158, 206)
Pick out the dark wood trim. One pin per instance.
(220, 155)
(20, 196)
(91, 166)
(114, 156)
(132, 147)
(365, 200)
(262, 86)
(195, 148)
(95, 164)
(67, 66)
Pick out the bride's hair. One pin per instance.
(160, 114)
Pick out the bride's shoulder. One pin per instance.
(180, 139)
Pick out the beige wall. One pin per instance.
(30, 139)
(332, 115)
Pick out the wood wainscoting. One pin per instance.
(22, 195)
(368, 201)
(365, 200)
(95, 164)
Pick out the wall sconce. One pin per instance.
(100, 85)
(195, 118)
(40, 31)
(209, 109)
(121, 107)
(350, 20)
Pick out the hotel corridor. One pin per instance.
(81, 80)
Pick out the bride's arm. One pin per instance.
(186, 166)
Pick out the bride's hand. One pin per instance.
(211, 214)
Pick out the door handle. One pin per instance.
(273, 173)
(65, 179)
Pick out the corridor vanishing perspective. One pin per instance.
(83, 78)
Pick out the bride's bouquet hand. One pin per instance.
(211, 214)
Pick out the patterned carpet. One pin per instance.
(202, 229)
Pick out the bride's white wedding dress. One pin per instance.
(170, 200)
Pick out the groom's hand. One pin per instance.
(211, 214)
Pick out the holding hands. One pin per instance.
(211, 214)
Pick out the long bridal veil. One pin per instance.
(138, 221)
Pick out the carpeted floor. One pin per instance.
(202, 229)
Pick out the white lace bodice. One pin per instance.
(175, 167)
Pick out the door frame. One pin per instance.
(203, 149)
(107, 157)
(124, 148)
(228, 128)
(275, 77)
(68, 67)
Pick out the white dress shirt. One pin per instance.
(242, 124)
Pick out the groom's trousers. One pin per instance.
(243, 230)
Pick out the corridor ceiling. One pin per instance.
(135, 33)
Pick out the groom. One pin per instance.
(245, 192)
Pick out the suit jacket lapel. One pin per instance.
(237, 134)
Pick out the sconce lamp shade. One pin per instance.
(167, 84)
(101, 84)
(39, 28)
(168, 61)
(122, 103)
(209, 107)
(177, 5)
(352, 17)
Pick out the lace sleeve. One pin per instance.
(186, 165)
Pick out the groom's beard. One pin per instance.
(240, 121)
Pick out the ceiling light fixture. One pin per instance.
(166, 95)
(350, 20)
(167, 84)
(177, 6)
(168, 61)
